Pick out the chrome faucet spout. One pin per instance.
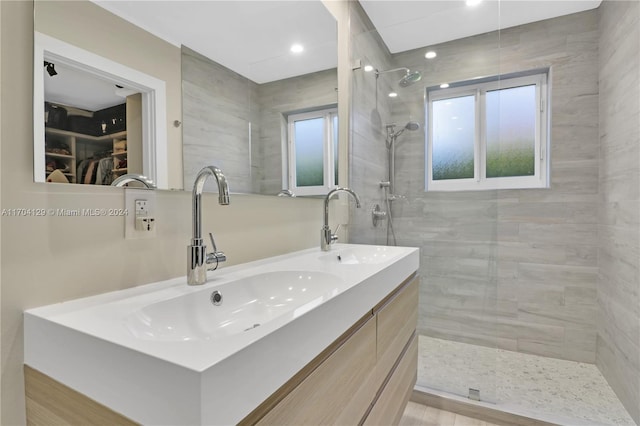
(326, 236)
(198, 187)
(198, 258)
(134, 177)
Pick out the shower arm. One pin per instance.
(405, 69)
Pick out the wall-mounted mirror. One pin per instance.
(238, 78)
(82, 43)
(95, 119)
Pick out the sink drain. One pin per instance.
(252, 327)
(216, 298)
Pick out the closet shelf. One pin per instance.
(53, 154)
(64, 173)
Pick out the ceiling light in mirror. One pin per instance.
(430, 54)
(368, 68)
(297, 48)
(393, 95)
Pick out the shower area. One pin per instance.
(529, 298)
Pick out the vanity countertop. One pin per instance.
(155, 354)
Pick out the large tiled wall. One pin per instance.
(514, 269)
(371, 111)
(237, 124)
(618, 344)
(218, 108)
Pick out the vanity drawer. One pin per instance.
(391, 402)
(397, 320)
(328, 390)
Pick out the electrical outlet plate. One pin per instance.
(140, 222)
(141, 208)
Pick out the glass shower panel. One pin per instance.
(459, 320)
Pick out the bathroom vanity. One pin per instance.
(310, 337)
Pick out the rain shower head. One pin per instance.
(409, 77)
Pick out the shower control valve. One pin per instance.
(377, 214)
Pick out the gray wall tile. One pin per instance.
(618, 325)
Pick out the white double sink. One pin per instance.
(163, 353)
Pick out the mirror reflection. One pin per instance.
(93, 127)
(237, 95)
(100, 103)
(253, 131)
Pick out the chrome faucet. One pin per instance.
(197, 256)
(134, 177)
(326, 236)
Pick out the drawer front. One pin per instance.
(397, 320)
(391, 402)
(328, 390)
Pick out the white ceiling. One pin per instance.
(81, 89)
(412, 24)
(252, 38)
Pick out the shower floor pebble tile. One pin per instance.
(574, 393)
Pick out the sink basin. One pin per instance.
(247, 304)
(361, 254)
(135, 349)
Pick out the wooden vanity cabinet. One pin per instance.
(365, 377)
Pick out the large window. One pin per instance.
(490, 133)
(313, 151)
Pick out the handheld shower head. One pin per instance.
(411, 125)
(392, 136)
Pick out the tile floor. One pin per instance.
(553, 390)
(420, 415)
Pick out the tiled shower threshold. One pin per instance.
(536, 387)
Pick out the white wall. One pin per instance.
(51, 259)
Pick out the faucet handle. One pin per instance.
(334, 234)
(215, 256)
(213, 242)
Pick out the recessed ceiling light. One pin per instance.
(444, 85)
(297, 48)
(368, 68)
(430, 54)
(393, 95)
(473, 2)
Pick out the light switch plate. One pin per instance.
(139, 203)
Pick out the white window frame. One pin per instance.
(327, 114)
(478, 89)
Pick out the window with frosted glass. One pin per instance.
(511, 131)
(488, 133)
(312, 152)
(453, 134)
(309, 146)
